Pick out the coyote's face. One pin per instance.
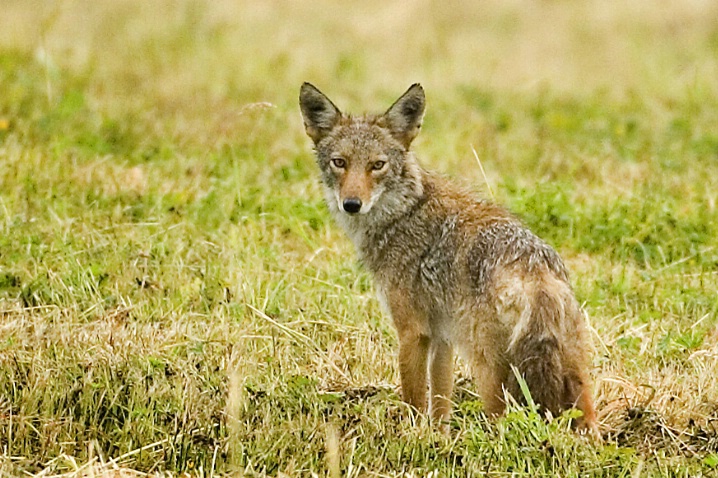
(361, 158)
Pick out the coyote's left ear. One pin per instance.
(404, 117)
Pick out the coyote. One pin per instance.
(453, 270)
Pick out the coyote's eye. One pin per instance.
(339, 163)
(378, 165)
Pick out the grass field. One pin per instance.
(174, 297)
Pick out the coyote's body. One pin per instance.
(454, 271)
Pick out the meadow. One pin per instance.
(175, 299)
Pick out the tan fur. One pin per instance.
(453, 270)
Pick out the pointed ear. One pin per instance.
(319, 113)
(404, 117)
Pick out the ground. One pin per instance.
(174, 297)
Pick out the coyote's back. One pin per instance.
(454, 271)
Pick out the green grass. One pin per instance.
(174, 297)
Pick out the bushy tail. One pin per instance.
(539, 356)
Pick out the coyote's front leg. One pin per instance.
(441, 381)
(414, 340)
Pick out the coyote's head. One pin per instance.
(365, 160)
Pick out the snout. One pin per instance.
(352, 205)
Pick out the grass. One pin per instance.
(174, 297)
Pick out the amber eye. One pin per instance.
(339, 163)
(378, 165)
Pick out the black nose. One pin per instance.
(352, 205)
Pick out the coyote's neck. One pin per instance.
(394, 203)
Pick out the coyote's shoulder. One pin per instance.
(454, 271)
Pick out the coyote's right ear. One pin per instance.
(404, 117)
(319, 113)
